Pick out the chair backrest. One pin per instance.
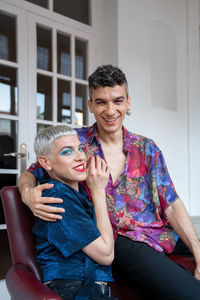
(19, 221)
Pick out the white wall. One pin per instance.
(163, 89)
(109, 32)
(105, 23)
(194, 103)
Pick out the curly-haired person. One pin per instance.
(148, 218)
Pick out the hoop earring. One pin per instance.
(128, 112)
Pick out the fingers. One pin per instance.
(97, 175)
(91, 165)
(44, 186)
(37, 204)
(48, 217)
(48, 213)
(102, 166)
(97, 164)
(50, 200)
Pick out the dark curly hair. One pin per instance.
(107, 75)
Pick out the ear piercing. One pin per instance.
(128, 112)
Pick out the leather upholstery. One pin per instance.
(23, 279)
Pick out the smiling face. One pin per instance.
(67, 162)
(109, 106)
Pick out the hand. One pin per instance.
(37, 204)
(97, 174)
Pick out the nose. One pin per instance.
(110, 109)
(80, 156)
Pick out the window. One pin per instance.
(62, 72)
(43, 3)
(78, 10)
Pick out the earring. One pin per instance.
(128, 112)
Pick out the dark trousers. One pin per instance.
(68, 289)
(153, 273)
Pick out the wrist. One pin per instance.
(197, 259)
(196, 252)
(97, 192)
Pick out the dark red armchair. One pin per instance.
(23, 280)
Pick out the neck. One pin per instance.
(111, 138)
(73, 184)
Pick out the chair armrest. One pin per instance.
(23, 285)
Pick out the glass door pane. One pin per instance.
(7, 37)
(8, 144)
(8, 91)
(63, 54)
(44, 97)
(81, 59)
(64, 101)
(81, 105)
(77, 9)
(44, 49)
(43, 3)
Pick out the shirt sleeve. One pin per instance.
(76, 230)
(39, 172)
(165, 187)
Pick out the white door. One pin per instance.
(44, 64)
(13, 106)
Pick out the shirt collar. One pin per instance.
(92, 133)
(92, 137)
(128, 140)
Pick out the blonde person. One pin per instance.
(74, 253)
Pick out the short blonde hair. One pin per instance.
(43, 144)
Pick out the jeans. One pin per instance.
(68, 289)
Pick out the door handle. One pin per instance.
(15, 154)
(22, 153)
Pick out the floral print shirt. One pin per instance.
(138, 199)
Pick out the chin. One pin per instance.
(81, 177)
(115, 126)
(112, 128)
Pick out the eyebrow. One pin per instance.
(101, 99)
(70, 146)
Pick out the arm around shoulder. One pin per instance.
(32, 196)
(26, 181)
